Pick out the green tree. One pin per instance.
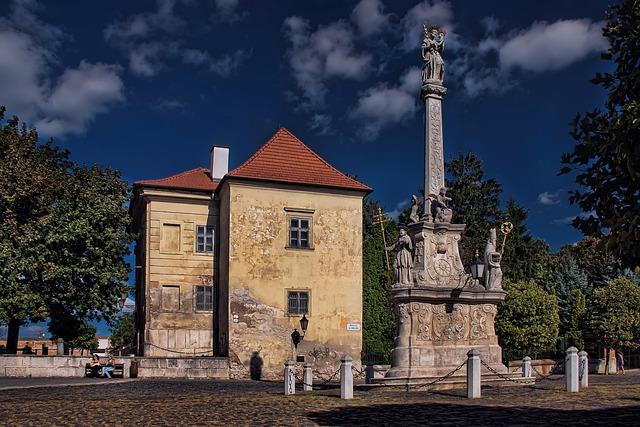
(62, 235)
(524, 258)
(575, 324)
(566, 278)
(597, 264)
(30, 177)
(123, 333)
(527, 321)
(606, 156)
(614, 314)
(476, 202)
(75, 332)
(378, 318)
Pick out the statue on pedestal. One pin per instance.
(443, 212)
(492, 258)
(403, 263)
(415, 205)
(432, 46)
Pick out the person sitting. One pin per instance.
(110, 367)
(27, 349)
(95, 366)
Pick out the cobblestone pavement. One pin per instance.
(612, 400)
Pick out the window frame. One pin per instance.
(195, 298)
(288, 292)
(195, 239)
(299, 229)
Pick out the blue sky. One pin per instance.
(147, 87)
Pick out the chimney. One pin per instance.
(219, 162)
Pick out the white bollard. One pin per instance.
(526, 367)
(346, 378)
(584, 367)
(289, 378)
(571, 370)
(307, 377)
(473, 374)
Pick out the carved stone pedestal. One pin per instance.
(443, 314)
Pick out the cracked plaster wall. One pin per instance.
(261, 269)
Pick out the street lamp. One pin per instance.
(477, 268)
(296, 337)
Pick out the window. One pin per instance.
(299, 232)
(204, 298)
(298, 302)
(204, 238)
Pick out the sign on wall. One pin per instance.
(353, 326)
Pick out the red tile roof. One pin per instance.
(284, 158)
(195, 179)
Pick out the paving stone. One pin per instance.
(612, 400)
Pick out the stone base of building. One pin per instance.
(455, 381)
(183, 367)
(142, 367)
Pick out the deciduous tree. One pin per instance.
(527, 321)
(606, 157)
(62, 234)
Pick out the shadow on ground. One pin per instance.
(451, 414)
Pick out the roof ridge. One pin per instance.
(320, 158)
(176, 175)
(316, 155)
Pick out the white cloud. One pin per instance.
(321, 124)
(58, 107)
(545, 46)
(383, 105)
(547, 198)
(369, 17)
(168, 104)
(569, 219)
(152, 39)
(223, 66)
(395, 213)
(227, 10)
(328, 52)
(428, 12)
(78, 96)
(487, 66)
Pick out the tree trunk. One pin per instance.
(12, 336)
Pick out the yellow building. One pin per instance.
(228, 262)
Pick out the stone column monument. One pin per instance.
(442, 311)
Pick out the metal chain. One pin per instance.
(326, 381)
(501, 375)
(551, 372)
(359, 373)
(437, 380)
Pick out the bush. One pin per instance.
(527, 322)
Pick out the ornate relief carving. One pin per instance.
(402, 312)
(450, 326)
(419, 253)
(436, 163)
(481, 315)
(422, 316)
